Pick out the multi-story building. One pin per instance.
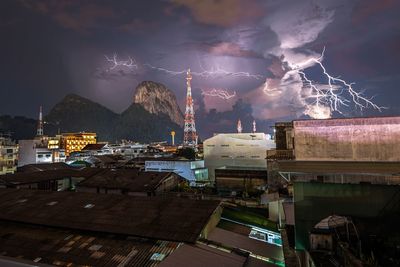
(346, 167)
(72, 142)
(40, 150)
(8, 156)
(236, 149)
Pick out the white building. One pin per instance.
(39, 151)
(127, 150)
(8, 156)
(236, 149)
(192, 170)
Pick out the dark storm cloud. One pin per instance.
(51, 48)
(225, 13)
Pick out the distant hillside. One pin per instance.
(145, 126)
(75, 114)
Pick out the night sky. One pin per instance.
(52, 48)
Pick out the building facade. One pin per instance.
(350, 139)
(39, 150)
(236, 149)
(72, 142)
(8, 156)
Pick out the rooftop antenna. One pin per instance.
(39, 131)
(239, 126)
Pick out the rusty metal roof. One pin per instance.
(70, 247)
(166, 218)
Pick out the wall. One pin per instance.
(212, 222)
(356, 139)
(27, 152)
(241, 150)
(316, 201)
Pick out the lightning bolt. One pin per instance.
(213, 72)
(271, 91)
(221, 93)
(333, 95)
(130, 63)
(204, 73)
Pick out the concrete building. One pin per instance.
(39, 150)
(236, 149)
(8, 156)
(192, 170)
(352, 139)
(346, 167)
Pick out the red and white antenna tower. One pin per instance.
(239, 126)
(254, 126)
(39, 131)
(190, 135)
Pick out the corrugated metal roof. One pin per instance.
(132, 180)
(165, 218)
(63, 247)
(46, 175)
(44, 167)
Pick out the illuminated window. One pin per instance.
(89, 206)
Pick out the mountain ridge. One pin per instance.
(75, 113)
(157, 99)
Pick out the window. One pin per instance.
(224, 145)
(210, 145)
(255, 157)
(89, 206)
(52, 203)
(225, 157)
